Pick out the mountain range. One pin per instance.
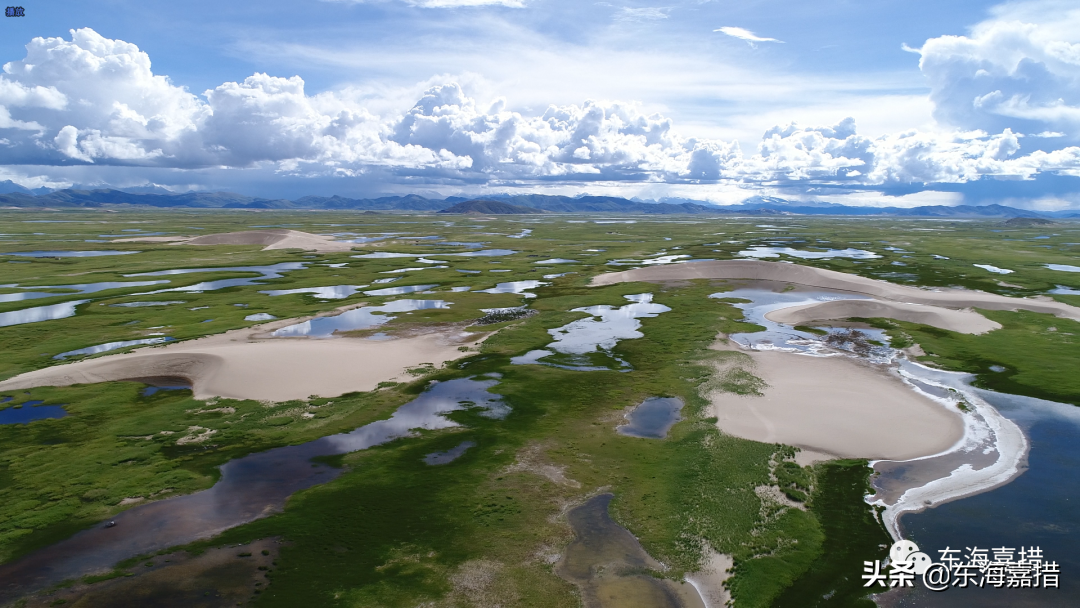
(13, 195)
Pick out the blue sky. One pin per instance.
(874, 102)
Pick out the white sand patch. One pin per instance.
(196, 434)
(222, 410)
(532, 460)
(828, 279)
(806, 458)
(773, 494)
(963, 321)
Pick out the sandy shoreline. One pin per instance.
(246, 364)
(986, 432)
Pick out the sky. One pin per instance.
(869, 102)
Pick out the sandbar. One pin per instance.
(838, 406)
(962, 321)
(276, 238)
(246, 364)
(829, 279)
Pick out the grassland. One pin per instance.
(394, 531)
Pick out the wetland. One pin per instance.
(571, 450)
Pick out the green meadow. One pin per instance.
(486, 528)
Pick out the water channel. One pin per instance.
(250, 488)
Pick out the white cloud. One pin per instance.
(648, 13)
(745, 34)
(96, 101)
(1018, 70)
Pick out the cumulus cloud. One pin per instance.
(745, 34)
(92, 101)
(1009, 73)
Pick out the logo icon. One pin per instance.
(906, 552)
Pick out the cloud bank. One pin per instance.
(1007, 97)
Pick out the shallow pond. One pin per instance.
(557, 261)
(653, 418)
(993, 269)
(411, 269)
(330, 292)
(142, 304)
(580, 340)
(274, 271)
(1063, 267)
(519, 287)
(437, 458)
(70, 289)
(69, 254)
(28, 411)
(463, 254)
(357, 318)
(1065, 291)
(250, 488)
(775, 252)
(397, 291)
(40, 313)
(763, 301)
(611, 568)
(260, 316)
(103, 348)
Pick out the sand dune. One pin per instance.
(963, 321)
(273, 239)
(838, 406)
(277, 238)
(828, 279)
(240, 365)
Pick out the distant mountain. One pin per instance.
(14, 195)
(7, 186)
(983, 211)
(151, 189)
(612, 204)
(490, 207)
